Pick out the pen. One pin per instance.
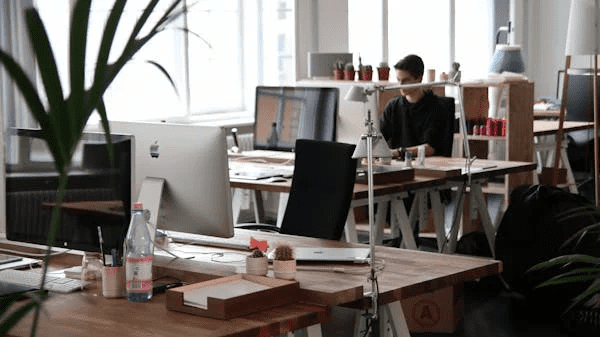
(101, 242)
(113, 252)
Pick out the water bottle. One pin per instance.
(138, 257)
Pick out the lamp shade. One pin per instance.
(583, 37)
(507, 58)
(380, 148)
(356, 94)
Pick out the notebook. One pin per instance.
(321, 254)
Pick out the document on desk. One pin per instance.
(199, 297)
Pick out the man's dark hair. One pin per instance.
(413, 64)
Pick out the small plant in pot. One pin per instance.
(284, 263)
(366, 73)
(383, 71)
(349, 72)
(257, 263)
(338, 70)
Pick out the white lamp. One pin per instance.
(583, 38)
(506, 58)
(370, 145)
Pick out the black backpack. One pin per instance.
(537, 222)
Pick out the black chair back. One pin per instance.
(321, 191)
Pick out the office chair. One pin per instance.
(321, 191)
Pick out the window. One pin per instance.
(440, 31)
(234, 46)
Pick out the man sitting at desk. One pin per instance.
(418, 116)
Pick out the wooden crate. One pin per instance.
(439, 312)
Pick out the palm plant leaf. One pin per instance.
(564, 260)
(64, 120)
(594, 288)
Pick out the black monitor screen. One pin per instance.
(284, 114)
(98, 193)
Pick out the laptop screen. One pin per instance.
(284, 114)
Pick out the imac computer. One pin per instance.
(284, 114)
(98, 192)
(192, 161)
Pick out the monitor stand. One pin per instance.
(150, 195)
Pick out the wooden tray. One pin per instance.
(385, 175)
(232, 296)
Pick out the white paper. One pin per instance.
(199, 296)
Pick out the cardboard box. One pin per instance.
(440, 311)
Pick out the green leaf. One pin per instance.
(590, 291)
(77, 51)
(9, 322)
(564, 260)
(164, 71)
(106, 127)
(46, 61)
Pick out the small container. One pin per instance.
(408, 159)
(113, 282)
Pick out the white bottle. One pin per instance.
(138, 257)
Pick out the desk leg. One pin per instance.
(236, 203)
(438, 218)
(400, 217)
(458, 211)
(283, 199)
(350, 227)
(395, 315)
(478, 200)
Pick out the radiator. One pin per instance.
(245, 141)
(26, 216)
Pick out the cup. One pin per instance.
(430, 75)
(113, 281)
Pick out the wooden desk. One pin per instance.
(481, 171)
(383, 193)
(89, 314)
(546, 113)
(547, 145)
(406, 274)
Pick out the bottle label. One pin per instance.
(138, 272)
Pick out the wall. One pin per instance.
(321, 26)
(546, 24)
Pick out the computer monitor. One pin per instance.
(98, 193)
(192, 160)
(284, 114)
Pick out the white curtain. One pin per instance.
(13, 110)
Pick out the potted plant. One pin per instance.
(338, 70)
(349, 72)
(63, 118)
(284, 263)
(366, 73)
(383, 71)
(257, 263)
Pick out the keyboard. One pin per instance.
(33, 278)
(193, 239)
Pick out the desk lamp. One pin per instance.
(372, 144)
(583, 38)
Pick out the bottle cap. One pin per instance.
(138, 205)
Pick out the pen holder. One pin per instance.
(113, 281)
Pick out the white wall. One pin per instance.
(544, 40)
(322, 26)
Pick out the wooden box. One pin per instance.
(232, 296)
(438, 312)
(385, 174)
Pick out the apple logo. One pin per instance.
(154, 153)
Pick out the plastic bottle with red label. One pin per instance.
(138, 257)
